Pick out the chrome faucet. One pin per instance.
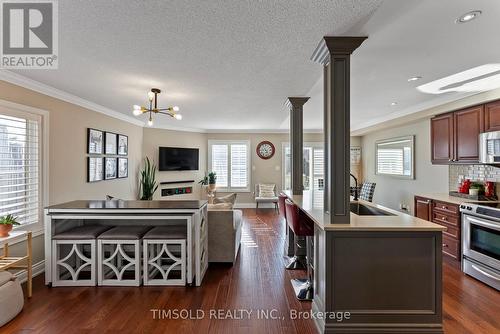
(356, 188)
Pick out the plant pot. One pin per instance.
(211, 187)
(473, 191)
(4, 230)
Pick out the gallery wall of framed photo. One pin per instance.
(107, 155)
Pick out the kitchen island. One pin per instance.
(190, 213)
(383, 270)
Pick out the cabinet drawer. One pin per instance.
(440, 218)
(452, 232)
(451, 247)
(446, 207)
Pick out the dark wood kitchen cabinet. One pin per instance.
(455, 136)
(469, 123)
(492, 116)
(442, 139)
(447, 215)
(423, 208)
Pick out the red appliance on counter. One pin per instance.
(464, 187)
(489, 189)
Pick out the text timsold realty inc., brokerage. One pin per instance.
(29, 34)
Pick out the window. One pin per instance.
(20, 190)
(395, 157)
(230, 160)
(313, 169)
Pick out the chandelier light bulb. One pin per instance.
(151, 96)
(175, 108)
(137, 110)
(178, 116)
(150, 122)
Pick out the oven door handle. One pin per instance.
(483, 223)
(485, 273)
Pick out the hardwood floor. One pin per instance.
(258, 281)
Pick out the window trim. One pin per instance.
(42, 116)
(411, 138)
(249, 163)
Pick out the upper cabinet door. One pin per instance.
(492, 116)
(442, 139)
(469, 123)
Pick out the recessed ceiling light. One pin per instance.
(468, 16)
(414, 78)
(394, 103)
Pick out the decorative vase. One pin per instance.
(4, 230)
(211, 187)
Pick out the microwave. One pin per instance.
(489, 147)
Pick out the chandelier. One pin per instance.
(153, 108)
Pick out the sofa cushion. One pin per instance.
(220, 207)
(266, 190)
(231, 198)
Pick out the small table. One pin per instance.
(15, 262)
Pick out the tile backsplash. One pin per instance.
(474, 173)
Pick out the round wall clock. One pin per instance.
(265, 150)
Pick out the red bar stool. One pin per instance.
(281, 204)
(301, 225)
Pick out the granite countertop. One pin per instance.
(398, 222)
(128, 205)
(444, 197)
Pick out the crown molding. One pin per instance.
(39, 87)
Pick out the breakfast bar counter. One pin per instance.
(384, 268)
(192, 214)
(393, 221)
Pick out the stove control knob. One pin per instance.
(462, 206)
(469, 208)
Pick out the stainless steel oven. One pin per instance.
(489, 147)
(481, 243)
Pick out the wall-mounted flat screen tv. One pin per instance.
(178, 158)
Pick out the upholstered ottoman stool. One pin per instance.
(165, 256)
(11, 297)
(119, 256)
(74, 256)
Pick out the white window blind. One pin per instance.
(239, 166)
(230, 160)
(19, 169)
(219, 164)
(395, 157)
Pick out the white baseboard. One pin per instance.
(253, 205)
(38, 268)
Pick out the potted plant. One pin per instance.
(476, 188)
(148, 185)
(6, 224)
(209, 181)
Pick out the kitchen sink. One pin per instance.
(365, 210)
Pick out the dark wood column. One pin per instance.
(296, 106)
(334, 54)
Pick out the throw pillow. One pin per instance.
(266, 190)
(220, 207)
(231, 198)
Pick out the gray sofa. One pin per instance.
(224, 235)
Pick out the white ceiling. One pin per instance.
(231, 64)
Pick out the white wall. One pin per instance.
(391, 191)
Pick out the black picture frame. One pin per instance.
(122, 145)
(122, 168)
(93, 145)
(110, 143)
(93, 174)
(110, 168)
